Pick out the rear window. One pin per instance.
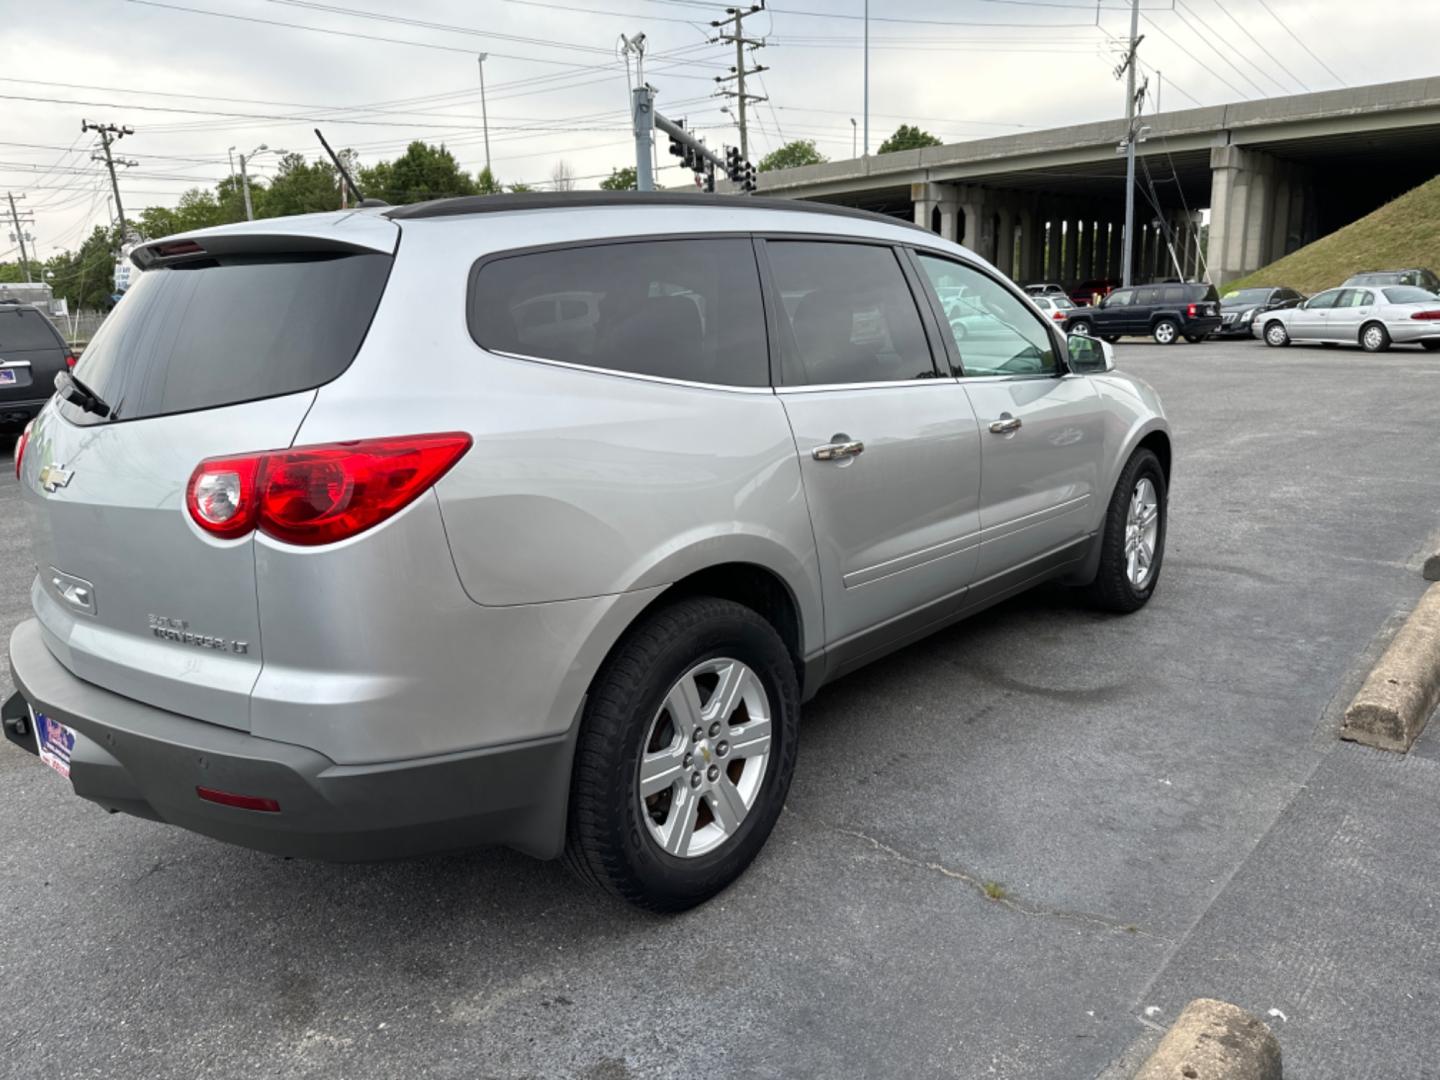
(220, 331)
(26, 328)
(678, 309)
(1408, 294)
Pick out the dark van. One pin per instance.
(1165, 312)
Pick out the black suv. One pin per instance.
(1165, 312)
(1239, 310)
(32, 353)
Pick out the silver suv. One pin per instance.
(533, 520)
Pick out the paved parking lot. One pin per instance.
(1160, 798)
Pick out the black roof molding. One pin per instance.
(573, 200)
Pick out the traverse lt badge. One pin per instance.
(55, 477)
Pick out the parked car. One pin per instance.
(1164, 312)
(1424, 279)
(561, 591)
(1047, 288)
(1057, 307)
(1374, 319)
(32, 353)
(1090, 292)
(1239, 310)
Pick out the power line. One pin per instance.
(1199, 33)
(1302, 44)
(1263, 48)
(1163, 33)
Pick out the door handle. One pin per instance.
(842, 447)
(1005, 424)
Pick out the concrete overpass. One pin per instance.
(1049, 205)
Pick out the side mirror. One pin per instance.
(1090, 355)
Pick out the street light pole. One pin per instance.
(1129, 246)
(484, 113)
(867, 76)
(853, 136)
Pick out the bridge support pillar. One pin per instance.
(926, 198)
(1071, 250)
(1244, 207)
(1084, 247)
(1005, 242)
(1112, 261)
(1029, 223)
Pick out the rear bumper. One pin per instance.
(136, 759)
(19, 412)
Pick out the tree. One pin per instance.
(562, 177)
(298, 187)
(486, 184)
(622, 179)
(520, 187)
(86, 278)
(908, 137)
(422, 172)
(793, 154)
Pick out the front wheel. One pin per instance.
(1374, 338)
(1194, 339)
(686, 751)
(1165, 332)
(1111, 338)
(1276, 335)
(1081, 327)
(1132, 538)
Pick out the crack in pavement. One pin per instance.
(1013, 903)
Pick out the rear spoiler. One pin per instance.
(173, 250)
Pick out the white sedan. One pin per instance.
(1373, 318)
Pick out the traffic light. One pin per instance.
(678, 148)
(733, 163)
(747, 177)
(710, 177)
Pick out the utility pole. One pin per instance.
(1128, 69)
(642, 113)
(484, 113)
(245, 187)
(738, 72)
(109, 133)
(867, 77)
(19, 236)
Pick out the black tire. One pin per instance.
(1276, 336)
(1165, 331)
(1112, 589)
(1082, 327)
(1194, 339)
(607, 842)
(1111, 338)
(1374, 337)
(1430, 346)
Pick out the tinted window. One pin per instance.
(1407, 294)
(216, 332)
(1324, 299)
(26, 328)
(850, 314)
(1118, 298)
(1147, 296)
(995, 332)
(679, 309)
(1174, 294)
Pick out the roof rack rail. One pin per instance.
(572, 200)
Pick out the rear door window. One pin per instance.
(25, 329)
(1147, 297)
(677, 309)
(219, 331)
(850, 315)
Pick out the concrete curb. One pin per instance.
(1403, 688)
(1214, 1040)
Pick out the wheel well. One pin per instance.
(1158, 443)
(755, 587)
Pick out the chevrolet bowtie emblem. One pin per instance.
(55, 477)
(706, 751)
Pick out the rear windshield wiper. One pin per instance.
(77, 393)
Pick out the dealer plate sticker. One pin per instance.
(57, 743)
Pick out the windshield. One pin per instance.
(219, 331)
(1375, 279)
(1246, 297)
(1409, 294)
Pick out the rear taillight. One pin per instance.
(1426, 316)
(20, 445)
(318, 494)
(1059, 316)
(1192, 311)
(70, 360)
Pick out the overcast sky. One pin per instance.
(557, 89)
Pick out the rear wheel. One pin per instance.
(685, 755)
(1430, 346)
(1194, 339)
(1374, 337)
(1133, 537)
(1165, 332)
(1276, 335)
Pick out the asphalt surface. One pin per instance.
(1161, 799)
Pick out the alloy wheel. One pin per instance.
(1275, 335)
(1142, 532)
(705, 757)
(1374, 338)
